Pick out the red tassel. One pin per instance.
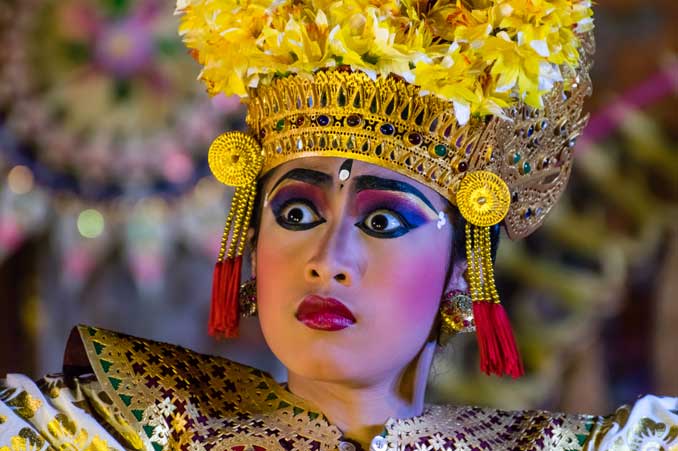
(225, 309)
(498, 351)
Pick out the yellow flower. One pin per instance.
(480, 54)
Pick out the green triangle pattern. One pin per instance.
(91, 331)
(126, 399)
(296, 411)
(138, 414)
(271, 397)
(148, 430)
(106, 365)
(282, 405)
(98, 347)
(313, 415)
(115, 382)
(263, 386)
(157, 446)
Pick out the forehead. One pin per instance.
(332, 166)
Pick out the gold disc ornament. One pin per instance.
(235, 158)
(483, 198)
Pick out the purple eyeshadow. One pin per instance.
(370, 201)
(294, 191)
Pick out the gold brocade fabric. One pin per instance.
(152, 396)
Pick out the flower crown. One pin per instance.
(481, 100)
(483, 55)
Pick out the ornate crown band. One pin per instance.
(390, 123)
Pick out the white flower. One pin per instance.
(541, 47)
(462, 111)
(549, 74)
(438, 442)
(166, 407)
(160, 434)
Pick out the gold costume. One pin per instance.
(125, 393)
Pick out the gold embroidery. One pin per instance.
(66, 435)
(645, 434)
(26, 440)
(3, 419)
(175, 398)
(649, 435)
(24, 405)
(104, 407)
(467, 428)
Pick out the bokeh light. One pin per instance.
(20, 179)
(90, 223)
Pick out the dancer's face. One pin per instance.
(362, 237)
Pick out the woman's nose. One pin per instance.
(335, 258)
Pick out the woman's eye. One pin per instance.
(298, 215)
(384, 224)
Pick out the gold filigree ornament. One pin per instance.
(483, 198)
(235, 159)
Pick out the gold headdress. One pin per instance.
(481, 100)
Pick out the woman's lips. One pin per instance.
(324, 313)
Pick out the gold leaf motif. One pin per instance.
(26, 440)
(24, 405)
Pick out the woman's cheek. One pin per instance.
(410, 287)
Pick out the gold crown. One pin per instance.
(391, 123)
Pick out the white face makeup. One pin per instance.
(345, 170)
(442, 220)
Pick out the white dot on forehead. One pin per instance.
(344, 174)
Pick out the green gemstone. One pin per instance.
(440, 150)
(280, 125)
(526, 168)
(516, 158)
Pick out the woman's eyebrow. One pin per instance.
(369, 182)
(305, 175)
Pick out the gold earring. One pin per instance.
(456, 313)
(247, 296)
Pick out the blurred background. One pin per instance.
(108, 215)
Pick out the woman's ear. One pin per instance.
(457, 280)
(252, 244)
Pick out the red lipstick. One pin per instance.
(321, 313)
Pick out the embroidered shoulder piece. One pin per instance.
(650, 424)
(475, 428)
(177, 399)
(180, 399)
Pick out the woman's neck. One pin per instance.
(361, 411)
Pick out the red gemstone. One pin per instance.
(353, 120)
(414, 139)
